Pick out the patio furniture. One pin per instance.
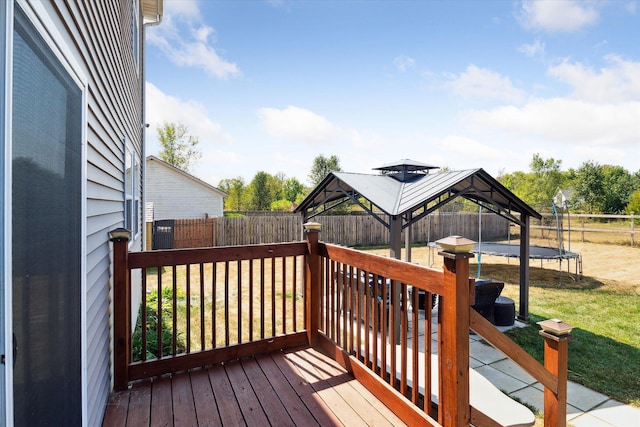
(487, 291)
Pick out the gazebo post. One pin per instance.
(523, 310)
(408, 237)
(395, 243)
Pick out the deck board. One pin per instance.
(299, 388)
(329, 393)
(117, 408)
(296, 408)
(250, 407)
(161, 403)
(308, 396)
(184, 409)
(140, 406)
(273, 408)
(226, 402)
(204, 400)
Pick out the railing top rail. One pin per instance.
(169, 257)
(424, 278)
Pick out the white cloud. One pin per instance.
(161, 108)
(184, 8)
(187, 42)
(558, 16)
(532, 50)
(567, 121)
(619, 82)
(472, 149)
(632, 7)
(403, 62)
(481, 83)
(298, 124)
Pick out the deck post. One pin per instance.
(312, 282)
(556, 358)
(453, 341)
(121, 308)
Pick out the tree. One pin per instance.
(538, 186)
(261, 193)
(619, 185)
(546, 178)
(236, 194)
(634, 204)
(281, 205)
(322, 166)
(178, 147)
(292, 190)
(590, 187)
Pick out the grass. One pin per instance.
(605, 352)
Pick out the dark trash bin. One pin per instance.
(504, 311)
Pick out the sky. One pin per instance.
(270, 85)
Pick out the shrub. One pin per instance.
(152, 327)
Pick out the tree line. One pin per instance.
(277, 192)
(592, 188)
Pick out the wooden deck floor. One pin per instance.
(301, 387)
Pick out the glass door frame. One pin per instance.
(6, 312)
(39, 16)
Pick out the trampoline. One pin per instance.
(513, 251)
(535, 252)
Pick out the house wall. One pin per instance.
(176, 196)
(99, 37)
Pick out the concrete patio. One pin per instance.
(585, 407)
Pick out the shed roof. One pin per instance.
(416, 197)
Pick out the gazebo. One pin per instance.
(406, 191)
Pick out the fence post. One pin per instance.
(121, 308)
(453, 337)
(312, 282)
(633, 242)
(556, 358)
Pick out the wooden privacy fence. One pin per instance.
(349, 230)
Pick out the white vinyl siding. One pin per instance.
(100, 37)
(176, 195)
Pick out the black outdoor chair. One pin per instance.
(486, 293)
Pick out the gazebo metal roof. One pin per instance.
(415, 196)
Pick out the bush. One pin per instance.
(152, 327)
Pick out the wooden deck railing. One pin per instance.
(231, 302)
(207, 306)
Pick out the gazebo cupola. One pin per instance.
(405, 170)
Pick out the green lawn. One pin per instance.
(605, 352)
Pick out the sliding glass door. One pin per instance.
(47, 233)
